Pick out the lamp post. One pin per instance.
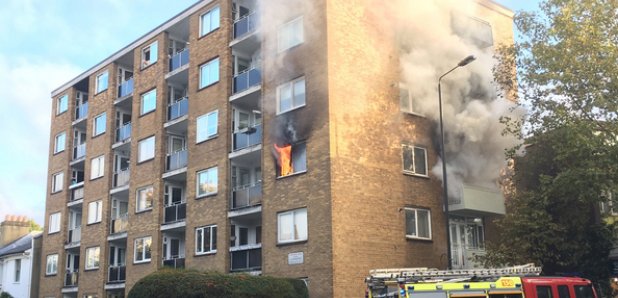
(462, 63)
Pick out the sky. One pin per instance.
(45, 43)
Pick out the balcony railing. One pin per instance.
(75, 235)
(123, 132)
(70, 279)
(247, 196)
(116, 274)
(126, 88)
(79, 151)
(77, 194)
(248, 137)
(174, 262)
(121, 178)
(178, 109)
(245, 25)
(81, 111)
(246, 260)
(247, 79)
(174, 213)
(176, 160)
(179, 59)
(119, 224)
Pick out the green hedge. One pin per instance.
(172, 283)
(5, 295)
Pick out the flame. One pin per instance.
(285, 159)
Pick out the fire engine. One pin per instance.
(510, 282)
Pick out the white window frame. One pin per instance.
(153, 58)
(148, 93)
(208, 66)
(141, 154)
(409, 101)
(297, 214)
(57, 182)
(60, 145)
(95, 211)
(293, 98)
(138, 197)
(416, 220)
(62, 104)
(96, 127)
(403, 161)
(97, 167)
(203, 127)
(197, 182)
(54, 223)
(143, 252)
(213, 12)
(199, 247)
(99, 82)
(51, 266)
(93, 261)
(17, 271)
(286, 31)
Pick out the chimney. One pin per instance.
(12, 228)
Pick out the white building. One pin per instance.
(16, 260)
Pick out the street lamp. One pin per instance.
(461, 63)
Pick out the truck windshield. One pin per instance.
(584, 291)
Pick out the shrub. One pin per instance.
(5, 295)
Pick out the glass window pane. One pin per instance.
(212, 124)
(285, 98)
(419, 161)
(300, 224)
(147, 243)
(146, 149)
(410, 222)
(423, 223)
(154, 52)
(204, 76)
(299, 157)
(407, 159)
(201, 124)
(149, 101)
(286, 223)
(299, 93)
(563, 291)
(544, 292)
(199, 242)
(214, 19)
(213, 245)
(214, 71)
(207, 239)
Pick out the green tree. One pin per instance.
(567, 80)
(34, 226)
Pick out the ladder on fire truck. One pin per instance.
(426, 274)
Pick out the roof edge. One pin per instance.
(497, 7)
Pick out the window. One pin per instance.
(144, 198)
(543, 291)
(52, 264)
(207, 126)
(92, 257)
(60, 142)
(62, 105)
(57, 182)
(583, 291)
(414, 160)
(291, 159)
(150, 54)
(101, 83)
(97, 167)
(563, 291)
(291, 95)
(142, 249)
(209, 73)
(99, 124)
(406, 101)
(95, 210)
(418, 223)
(149, 101)
(146, 149)
(207, 182)
(17, 270)
(206, 240)
(54, 223)
(209, 21)
(292, 226)
(290, 34)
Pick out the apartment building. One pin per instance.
(240, 138)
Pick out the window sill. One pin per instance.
(292, 175)
(415, 175)
(55, 192)
(96, 135)
(93, 223)
(408, 237)
(209, 32)
(51, 274)
(281, 244)
(144, 67)
(101, 91)
(205, 253)
(206, 195)
(281, 51)
(147, 113)
(141, 262)
(52, 233)
(59, 114)
(207, 139)
(207, 86)
(56, 153)
(91, 269)
(97, 178)
(412, 113)
(292, 109)
(143, 211)
(145, 161)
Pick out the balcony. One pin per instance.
(116, 274)
(176, 160)
(77, 194)
(75, 236)
(119, 224)
(79, 151)
(81, 111)
(122, 177)
(126, 88)
(477, 201)
(247, 79)
(246, 259)
(178, 109)
(174, 262)
(175, 213)
(179, 59)
(70, 279)
(247, 196)
(247, 137)
(245, 25)
(123, 133)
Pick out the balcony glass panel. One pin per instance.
(121, 178)
(81, 111)
(179, 59)
(176, 160)
(70, 279)
(119, 225)
(246, 260)
(178, 109)
(175, 213)
(174, 262)
(123, 132)
(247, 79)
(126, 88)
(75, 235)
(245, 25)
(247, 196)
(79, 151)
(248, 137)
(117, 274)
(77, 194)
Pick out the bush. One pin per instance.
(195, 284)
(5, 295)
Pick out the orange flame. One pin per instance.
(285, 159)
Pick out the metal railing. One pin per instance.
(75, 235)
(248, 137)
(121, 178)
(175, 262)
(77, 194)
(79, 151)
(119, 224)
(126, 88)
(71, 278)
(245, 25)
(176, 160)
(247, 196)
(81, 111)
(178, 109)
(123, 132)
(174, 213)
(247, 79)
(246, 260)
(116, 274)
(179, 59)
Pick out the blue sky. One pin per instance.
(45, 43)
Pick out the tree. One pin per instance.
(34, 226)
(567, 81)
